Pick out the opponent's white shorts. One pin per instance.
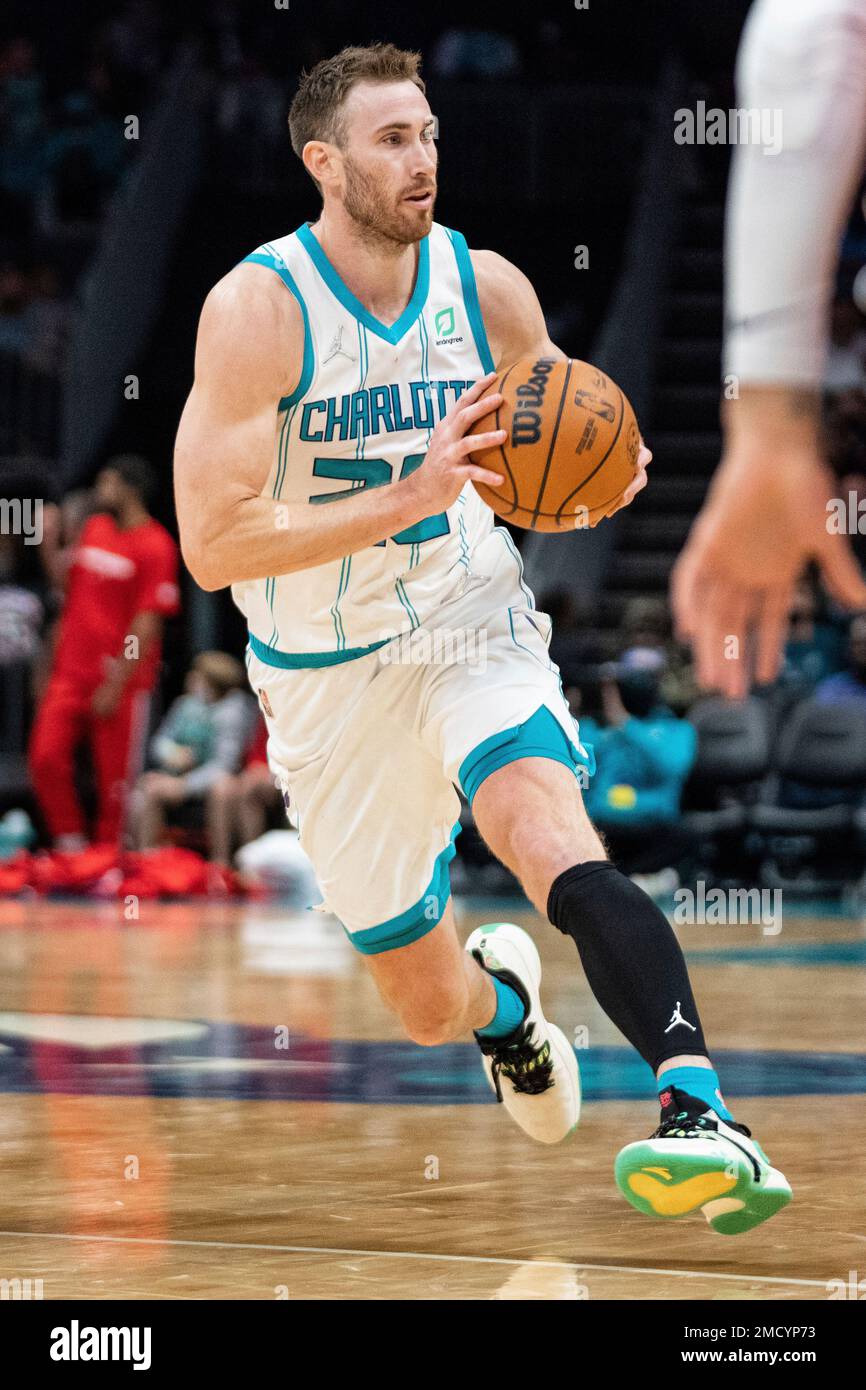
(368, 751)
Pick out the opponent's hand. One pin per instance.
(765, 517)
(447, 464)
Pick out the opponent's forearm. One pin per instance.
(801, 63)
(784, 416)
(257, 537)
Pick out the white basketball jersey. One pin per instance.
(362, 416)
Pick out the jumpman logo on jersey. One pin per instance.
(676, 1017)
(337, 350)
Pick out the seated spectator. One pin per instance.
(202, 738)
(14, 302)
(83, 158)
(647, 623)
(813, 649)
(33, 315)
(845, 439)
(849, 684)
(643, 756)
(22, 605)
(22, 130)
(846, 361)
(238, 805)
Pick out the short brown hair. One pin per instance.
(315, 111)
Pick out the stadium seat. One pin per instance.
(733, 756)
(808, 805)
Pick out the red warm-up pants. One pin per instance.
(65, 720)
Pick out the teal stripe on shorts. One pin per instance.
(417, 920)
(541, 736)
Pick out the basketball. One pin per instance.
(572, 448)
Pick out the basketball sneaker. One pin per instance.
(695, 1161)
(533, 1070)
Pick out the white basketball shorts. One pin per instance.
(369, 752)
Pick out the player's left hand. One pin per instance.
(638, 482)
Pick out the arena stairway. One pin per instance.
(683, 426)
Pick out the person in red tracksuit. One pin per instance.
(121, 585)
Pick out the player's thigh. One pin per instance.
(376, 813)
(532, 815)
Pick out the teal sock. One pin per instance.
(510, 1012)
(698, 1081)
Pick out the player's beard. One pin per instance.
(371, 207)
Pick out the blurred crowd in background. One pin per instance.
(188, 767)
(192, 770)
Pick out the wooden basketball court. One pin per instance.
(211, 1102)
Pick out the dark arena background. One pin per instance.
(202, 1095)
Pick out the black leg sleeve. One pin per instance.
(631, 957)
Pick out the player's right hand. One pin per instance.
(448, 464)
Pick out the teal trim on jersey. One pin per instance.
(279, 267)
(357, 483)
(418, 919)
(470, 299)
(415, 552)
(540, 736)
(400, 590)
(550, 666)
(285, 437)
(500, 531)
(345, 568)
(282, 456)
(302, 661)
(425, 368)
(461, 527)
(341, 291)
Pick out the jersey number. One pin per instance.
(375, 473)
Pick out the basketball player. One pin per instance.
(121, 584)
(766, 514)
(323, 470)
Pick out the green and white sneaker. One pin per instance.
(696, 1161)
(534, 1070)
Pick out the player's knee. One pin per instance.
(539, 855)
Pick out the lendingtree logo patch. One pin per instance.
(444, 322)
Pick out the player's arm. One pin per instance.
(515, 326)
(249, 355)
(804, 62)
(787, 210)
(513, 317)
(766, 515)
